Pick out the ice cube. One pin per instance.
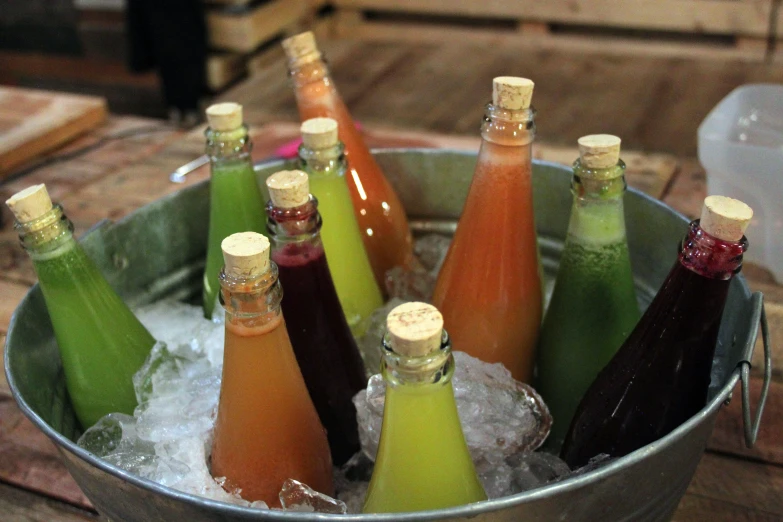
(105, 436)
(431, 251)
(370, 343)
(536, 469)
(414, 284)
(500, 417)
(296, 496)
(352, 480)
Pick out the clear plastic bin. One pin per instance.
(741, 147)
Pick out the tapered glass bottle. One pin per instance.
(422, 461)
(101, 342)
(267, 429)
(660, 376)
(324, 346)
(321, 157)
(235, 201)
(593, 306)
(378, 210)
(489, 289)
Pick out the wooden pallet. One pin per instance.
(243, 29)
(700, 28)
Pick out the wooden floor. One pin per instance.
(393, 89)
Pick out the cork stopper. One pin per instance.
(224, 117)
(301, 48)
(599, 151)
(415, 329)
(319, 133)
(30, 204)
(512, 93)
(725, 218)
(288, 188)
(246, 254)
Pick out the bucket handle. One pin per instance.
(758, 316)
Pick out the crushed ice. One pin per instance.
(169, 438)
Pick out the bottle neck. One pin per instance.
(323, 162)
(251, 303)
(709, 256)
(434, 368)
(590, 185)
(228, 146)
(310, 72)
(507, 127)
(299, 225)
(45, 237)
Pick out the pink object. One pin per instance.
(291, 149)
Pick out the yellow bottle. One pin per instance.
(423, 461)
(321, 157)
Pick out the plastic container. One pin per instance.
(741, 147)
(158, 251)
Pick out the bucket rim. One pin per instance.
(470, 510)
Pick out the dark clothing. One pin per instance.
(170, 35)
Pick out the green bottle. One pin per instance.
(101, 342)
(235, 201)
(422, 461)
(593, 306)
(322, 157)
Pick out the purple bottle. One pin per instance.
(324, 346)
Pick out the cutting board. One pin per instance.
(34, 122)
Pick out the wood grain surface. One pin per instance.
(34, 122)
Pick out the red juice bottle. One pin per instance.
(489, 289)
(660, 376)
(327, 353)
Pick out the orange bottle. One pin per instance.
(489, 289)
(267, 429)
(378, 210)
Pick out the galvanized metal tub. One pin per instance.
(158, 252)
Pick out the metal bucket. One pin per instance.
(158, 251)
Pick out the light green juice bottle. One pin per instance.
(235, 202)
(321, 157)
(423, 461)
(101, 342)
(593, 306)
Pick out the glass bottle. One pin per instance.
(660, 376)
(235, 201)
(593, 306)
(267, 429)
(489, 289)
(378, 210)
(101, 342)
(321, 157)
(422, 461)
(325, 349)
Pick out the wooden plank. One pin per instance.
(751, 486)
(729, 437)
(5, 389)
(11, 295)
(30, 460)
(18, 505)
(243, 32)
(745, 17)
(417, 32)
(695, 508)
(34, 122)
(223, 69)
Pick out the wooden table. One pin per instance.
(731, 483)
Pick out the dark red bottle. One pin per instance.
(325, 349)
(660, 376)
